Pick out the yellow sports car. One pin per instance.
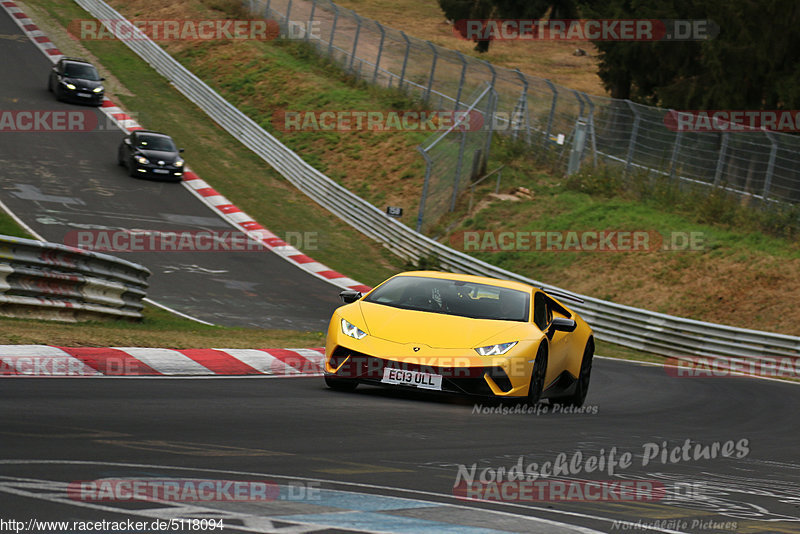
(460, 334)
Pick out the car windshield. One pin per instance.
(453, 297)
(81, 71)
(155, 142)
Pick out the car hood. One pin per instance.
(158, 155)
(436, 330)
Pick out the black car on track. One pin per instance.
(76, 80)
(151, 154)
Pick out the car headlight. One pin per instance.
(98, 89)
(495, 350)
(141, 159)
(352, 330)
(69, 85)
(179, 163)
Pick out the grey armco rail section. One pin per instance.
(53, 281)
(637, 328)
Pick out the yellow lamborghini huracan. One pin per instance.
(460, 334)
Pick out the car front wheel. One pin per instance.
(538, 375)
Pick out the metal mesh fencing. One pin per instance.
(455, 158)
(759, 164)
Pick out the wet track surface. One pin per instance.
(369, 461)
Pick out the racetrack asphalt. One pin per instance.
(62, 182)
(405, 444)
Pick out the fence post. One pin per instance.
(428, 165)
(492, 109)
(591, 130)
(676, 148)
(267, 9)
(522, 105)
(773, 153)
(457, 177)
(578, 144)
(634, 133)
(355, 41)
(552, 111)
(288, 12)
(433, 70)
(461, 82)
(311, 18)
(333, 28)
(405, 59)
(723, 148)
(380, 52)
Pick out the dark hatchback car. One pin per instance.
(151, 155)
(76, 80)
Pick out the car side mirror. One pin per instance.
(349, 295)
(127, 141)
(562, 324)
(102, 79)
(180, 150)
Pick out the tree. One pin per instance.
(752, 64)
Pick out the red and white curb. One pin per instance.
(198, 187)
(48, 360)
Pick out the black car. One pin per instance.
(76, 80)
(152, 155)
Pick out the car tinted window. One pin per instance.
(81, 71)
(453, 297)
(155, 142)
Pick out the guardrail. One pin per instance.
(631, 327)
(52, 281)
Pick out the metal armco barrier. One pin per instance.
(631, 327)
(52, 281)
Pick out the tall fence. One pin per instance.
(52, 281)
(756, 164)
(455, 158)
